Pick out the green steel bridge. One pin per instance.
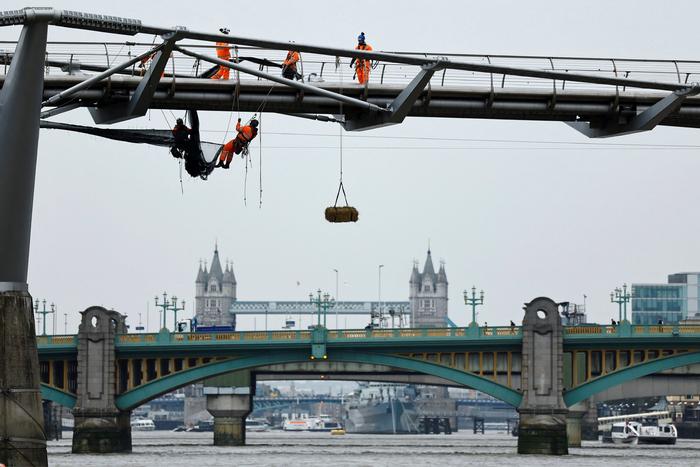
(488, 359)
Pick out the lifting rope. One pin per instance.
(345, 213)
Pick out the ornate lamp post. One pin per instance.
(175, 309)
(621, 297)
(323, 302)
(43, 312)
(165, 305)
(473, 301)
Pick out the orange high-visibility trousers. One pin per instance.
(227, 153)
(222, 73)
(362, 70)
(222, 53)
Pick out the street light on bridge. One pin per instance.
(473, 301)
(323, 301)
(621, 297)
(175, 309)
(44, 312)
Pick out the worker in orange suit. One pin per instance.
(245, 135)
(289, 66)
(362, 66)
(223, 52)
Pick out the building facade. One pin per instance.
(669, 303)
(428, 295)
(215, 292)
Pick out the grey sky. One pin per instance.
(111, 227)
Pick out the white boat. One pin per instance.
(323, 423)
(624, 433)
(143, 425)
(256, 424)
(297, 424)
(661, 433)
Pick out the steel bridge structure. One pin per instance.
(488, 359)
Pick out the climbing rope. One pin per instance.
(260, 190)
(340, 146)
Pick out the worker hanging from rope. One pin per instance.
(240, 143)
(289, 66)
(181, 133)
(223, 52)
(362, 66)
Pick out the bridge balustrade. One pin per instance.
(94, 56)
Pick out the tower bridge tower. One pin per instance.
(428, 295)
(215, 292)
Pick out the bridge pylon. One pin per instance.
(100, 427)
(230, 401)
(543, 413)
(22, 440)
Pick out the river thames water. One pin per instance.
(275, 448)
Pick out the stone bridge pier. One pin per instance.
(100, 427)
(229, 401)
(543, 413)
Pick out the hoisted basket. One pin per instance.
(341, 214)
(345, 213)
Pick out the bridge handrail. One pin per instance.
(57, 340)
(323, 67)
(345, 335)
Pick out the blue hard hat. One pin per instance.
(361, 37)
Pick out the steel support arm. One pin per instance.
(644, 121)
(138, 105)
(97, 78)
(399, 107)
(286, 82)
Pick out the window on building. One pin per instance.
(213, 288)
(212, 303)
(427, 304)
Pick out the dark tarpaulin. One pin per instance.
(200, 157)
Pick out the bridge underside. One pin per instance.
(342, 371)
(447, 101)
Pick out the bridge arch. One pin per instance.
(50, 393)
(594, 386)
(153, 389)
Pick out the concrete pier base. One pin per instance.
(103, 432)
(543, 433)
(573, 429)
(229, 431)
(589, 423)
(229, 412)
(22, 440)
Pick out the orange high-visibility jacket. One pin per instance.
(359, 63)
(223, 51)
(246, 133)
(291, 60)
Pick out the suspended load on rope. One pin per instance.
(341, 214)
(200, 156)
(347, 213)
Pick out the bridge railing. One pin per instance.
(69, 340)
(322, 68)
(398, 333)
(504, 332)
(660, 330)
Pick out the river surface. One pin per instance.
(290, 449)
